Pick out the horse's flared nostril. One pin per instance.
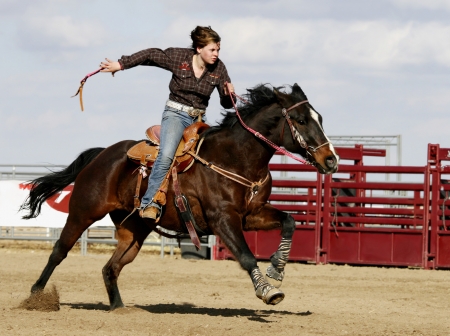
(330, 161)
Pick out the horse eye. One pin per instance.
(301, 122)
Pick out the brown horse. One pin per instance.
(105, 180)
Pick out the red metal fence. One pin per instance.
(350, 220)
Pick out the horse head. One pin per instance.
(301, 130)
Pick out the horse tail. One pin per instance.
(48, 185)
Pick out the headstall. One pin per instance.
(295, 133)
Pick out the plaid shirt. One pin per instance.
(184, 87)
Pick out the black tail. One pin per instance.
(46, 186)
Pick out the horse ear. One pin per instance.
(296, 88)
(281, 97)
(297, 91)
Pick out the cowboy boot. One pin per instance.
(151, 211)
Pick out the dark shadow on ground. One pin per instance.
(187, 308)
(87, 306)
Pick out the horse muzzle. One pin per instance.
(326, 161)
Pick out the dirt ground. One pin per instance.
(174, 296)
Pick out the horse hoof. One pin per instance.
(273, 296)
(273, 282)
(116, 306)
(36, 289)
(274, 277)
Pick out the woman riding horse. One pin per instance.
(223, 205)
(195, 74)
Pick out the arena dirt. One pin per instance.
(174, 296)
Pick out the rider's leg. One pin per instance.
(172, 126)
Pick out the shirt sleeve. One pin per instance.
(225, 100)
(151, 57)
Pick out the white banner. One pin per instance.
(53, 212)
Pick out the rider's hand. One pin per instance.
(229, 86)
(109, 66)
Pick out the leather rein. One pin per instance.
(254, 186)
(295, 134)
(80, 89)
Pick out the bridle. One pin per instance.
(295, 133)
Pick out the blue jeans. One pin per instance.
(173, 124)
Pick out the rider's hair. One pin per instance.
(202, 36)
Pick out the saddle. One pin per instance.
(145, 152)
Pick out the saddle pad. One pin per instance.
(143, 148)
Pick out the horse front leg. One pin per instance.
(267, 218)
(275, 271)
(229, 230)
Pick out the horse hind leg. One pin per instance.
(71, 232)
(130, 235)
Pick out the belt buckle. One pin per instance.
(193, 112)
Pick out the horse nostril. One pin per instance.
(330, 161)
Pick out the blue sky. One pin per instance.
(369, 67)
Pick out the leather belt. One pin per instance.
(193, 112)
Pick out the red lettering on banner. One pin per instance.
(25, 186)
(60, 200)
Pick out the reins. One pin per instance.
(294, 132)
(80, 89)
(254, 186)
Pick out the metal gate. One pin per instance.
(351, 220)
(439, 250)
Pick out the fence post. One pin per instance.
(426, 217)
(211, 245)
(433, 161)
(323, 234)
(171, 248)
(83, 244)
(163, 242)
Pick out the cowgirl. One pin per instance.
(196, 72)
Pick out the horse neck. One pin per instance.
(243, 150)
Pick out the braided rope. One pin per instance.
(259, 135)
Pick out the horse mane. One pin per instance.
(257, 98)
